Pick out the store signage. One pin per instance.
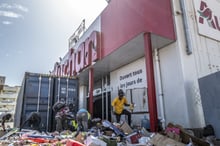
(208, 18)
(130, 79)
(76, 60)
(130, 76)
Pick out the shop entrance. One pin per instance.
(101, 98)
(101, 106)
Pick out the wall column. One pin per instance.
(152, 103)
(91, 86)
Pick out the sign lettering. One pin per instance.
(208, 18)
(77, 60)
(206, 13)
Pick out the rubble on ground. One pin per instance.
(112, 134)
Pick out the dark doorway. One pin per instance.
(102, 106)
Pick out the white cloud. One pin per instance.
(14, 6)
(10, 14)
(11, 11)
(4, 5)
(6, 22)
(20, 7)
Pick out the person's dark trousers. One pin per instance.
(124, 112)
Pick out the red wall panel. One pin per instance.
(122, 20)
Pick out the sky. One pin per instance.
(35, 33)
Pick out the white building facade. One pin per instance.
(155, 51)
(8, 100)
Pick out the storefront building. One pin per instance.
(156, 51)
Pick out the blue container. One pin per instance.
(145, 123)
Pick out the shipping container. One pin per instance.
(39, 93)
(65, 89)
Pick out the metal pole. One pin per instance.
(67, 94)
(160, 91)
(38, 96)
(102, 99)
(186, 28)
(48, 102)
(58, 96)
(106, 97)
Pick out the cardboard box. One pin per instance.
(126, 128)
(186, 136)
(133, 138)
(160, 140)
(173, 136)
(94, 141)
(81, 137)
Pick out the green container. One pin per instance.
(109, 140)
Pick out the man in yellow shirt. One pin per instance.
(118, 106)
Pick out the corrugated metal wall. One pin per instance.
(39, 93)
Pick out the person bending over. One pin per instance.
(33, 121)
(5, 117)
(83, 119)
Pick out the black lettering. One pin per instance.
(137, 72)
(126, 76)
(139, 80)
(122, 85)
(130, 83)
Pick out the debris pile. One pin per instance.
(106, 133)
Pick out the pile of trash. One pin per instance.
(106, 133)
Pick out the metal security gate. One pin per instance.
(138, 96)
